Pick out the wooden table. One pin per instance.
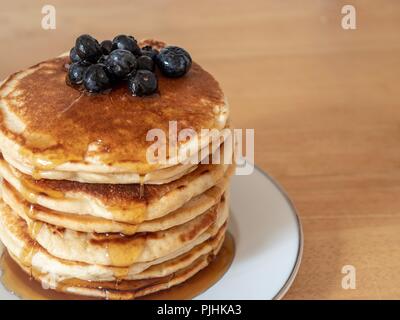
(323, 100)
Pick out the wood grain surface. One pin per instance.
(324, 103)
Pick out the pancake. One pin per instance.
(159, 176)
(87, 223)
(129, 203)
(15, 235)
(122, 251)
(154, 277)
(50, 126)
(125, 289)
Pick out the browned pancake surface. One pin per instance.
(62, 121)
(117, 194)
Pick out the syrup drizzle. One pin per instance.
(125, 253)
(141, 188)
(73, 102)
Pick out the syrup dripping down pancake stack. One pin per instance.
(83, 211)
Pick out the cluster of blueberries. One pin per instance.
(99, 66)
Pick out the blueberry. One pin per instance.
(76, 72)
(73, 56)
(96, 79)
(147, 48)
(150, 52)
(102, 59)
(145, 63)
(88, 48)
(126, 43)
(106, 46)
(143, 83)
(120, 63)
(174, 61)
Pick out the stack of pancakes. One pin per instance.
(83, 210)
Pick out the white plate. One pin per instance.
(268, 239)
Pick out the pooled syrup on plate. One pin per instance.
(15, 280)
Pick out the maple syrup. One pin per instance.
(15, 280)
(125, 253)
(141, 188)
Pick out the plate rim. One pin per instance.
(289, 281)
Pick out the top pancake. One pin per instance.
(46, 124)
